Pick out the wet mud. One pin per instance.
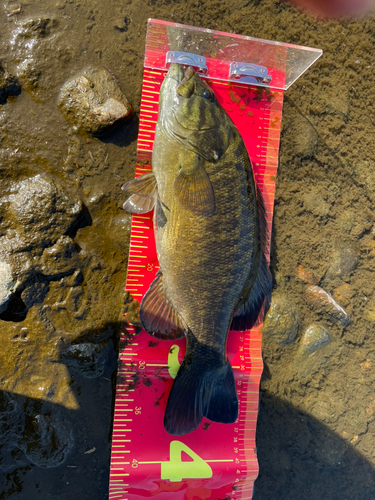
(64, 242)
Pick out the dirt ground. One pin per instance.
(316, 427)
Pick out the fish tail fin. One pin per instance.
(204, 387)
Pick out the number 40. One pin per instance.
(176, 469)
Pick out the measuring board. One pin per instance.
(222, 461)
(216, 461)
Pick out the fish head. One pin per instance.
(190, 114)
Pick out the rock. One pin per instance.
(38, 27)
(62, 258)
(324, 302)
(42, 211)
(314, 203)
(306, 275)
(41, 50)
(39, 212)
(34, 294)
(7, 285)
(345, 260)
(47, 438)
(281, 321)
(36, 51)
(88, 357)
(9, 85)
(314, 337)
(93, 102)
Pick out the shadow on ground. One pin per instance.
(301, 459)
(48, 451)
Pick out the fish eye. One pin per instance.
(207, 95)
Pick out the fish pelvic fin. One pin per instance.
(194, 190)
(204, 387)
(157, 314)
(255, 305)
(143, 192)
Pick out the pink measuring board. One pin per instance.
(217, 461)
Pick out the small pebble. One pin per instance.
(306, 276)
(93, 102)
(324, 302)
(313, 337)
(345, 260)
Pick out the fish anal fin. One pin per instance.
(158, 316)
(194, 190)
(256, 301)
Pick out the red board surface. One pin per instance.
(217, 461)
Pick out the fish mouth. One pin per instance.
(176, 73)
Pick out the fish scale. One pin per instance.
(216, 460)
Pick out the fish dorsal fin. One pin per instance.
(158, 316)
(193, 188)
(143, 190)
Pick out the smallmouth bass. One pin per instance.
(210, 228)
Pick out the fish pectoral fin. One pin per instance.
(158, 316)
(143, 192)
(256, 302)
(144, 185)
(193, 189)
(138, 205)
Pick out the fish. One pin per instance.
(210, 233)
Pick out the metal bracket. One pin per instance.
(187, 59)
(249, 73)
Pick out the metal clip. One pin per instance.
(249, 73)
(187, 59)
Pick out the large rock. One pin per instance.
(93, 102)
(34, 247)
(42, 210)
(281, 322)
